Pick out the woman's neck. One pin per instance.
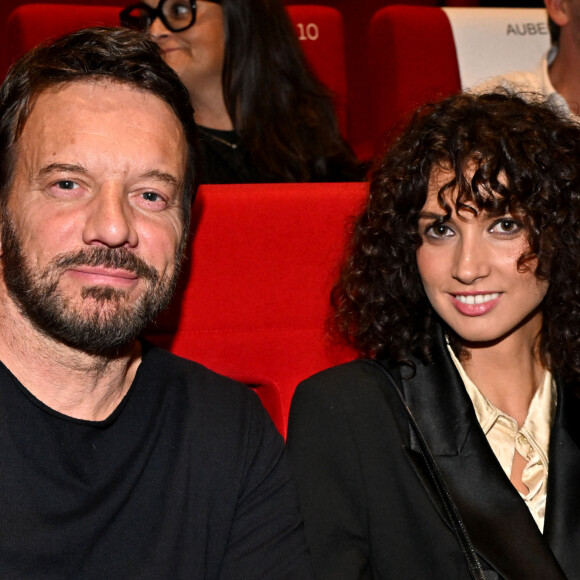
(210, 111)
(509, 371)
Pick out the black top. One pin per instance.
(370, 506)
(183, 480)
(226, 160)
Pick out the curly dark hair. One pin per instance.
(380, 305)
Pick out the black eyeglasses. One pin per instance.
(176, 15)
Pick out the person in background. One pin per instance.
(557, 76)
(451, 448)
(263, 115)
(120, 460)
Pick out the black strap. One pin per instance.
(448, 503)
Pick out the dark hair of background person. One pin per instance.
(526, 159)
(119, 55)
(282, 112)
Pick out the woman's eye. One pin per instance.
(506, 226)
(439, 230)
(180, 11)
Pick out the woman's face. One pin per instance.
(468, 266)
(195, 54)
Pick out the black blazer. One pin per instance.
(370, 507)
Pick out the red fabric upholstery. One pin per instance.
(256, 296)
(320, 30)
(357, 15)
(412, 60)
(31, 24)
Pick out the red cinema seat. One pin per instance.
(320, 31)
(357, 15)
(256, 289)
(31, 24)
(419, 54)
(412, 61)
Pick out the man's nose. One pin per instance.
(110, 219)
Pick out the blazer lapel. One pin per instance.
(562, 527)
(497, 520)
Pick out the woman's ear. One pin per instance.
(558, 11)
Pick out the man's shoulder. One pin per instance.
(195, 385)
(175, 368)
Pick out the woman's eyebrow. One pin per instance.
(433, 215)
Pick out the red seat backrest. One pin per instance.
(256, 291)
(31, 24)
(320, 31)
(412, 61)
(357, 15)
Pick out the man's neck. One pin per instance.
(564, 74)
(68, 380)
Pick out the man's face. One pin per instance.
(93, 222)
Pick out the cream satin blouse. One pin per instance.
(532, 440)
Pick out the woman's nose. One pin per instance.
(471, 261)
(158, 30)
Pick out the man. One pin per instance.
(557, 76)
(119, 460)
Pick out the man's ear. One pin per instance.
(558, 11)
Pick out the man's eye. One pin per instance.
(66, 184)
(151, 196)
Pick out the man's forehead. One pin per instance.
(102, 106)
(99, 92)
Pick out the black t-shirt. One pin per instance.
(183, 480)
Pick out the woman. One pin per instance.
(429, 456)
(263, 115)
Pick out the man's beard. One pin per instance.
(105, 321)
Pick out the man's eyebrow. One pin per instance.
(66, 167)
(163, 176)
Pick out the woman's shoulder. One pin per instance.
(360, 383)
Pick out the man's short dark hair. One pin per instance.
(503, 154)
(114, 54)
